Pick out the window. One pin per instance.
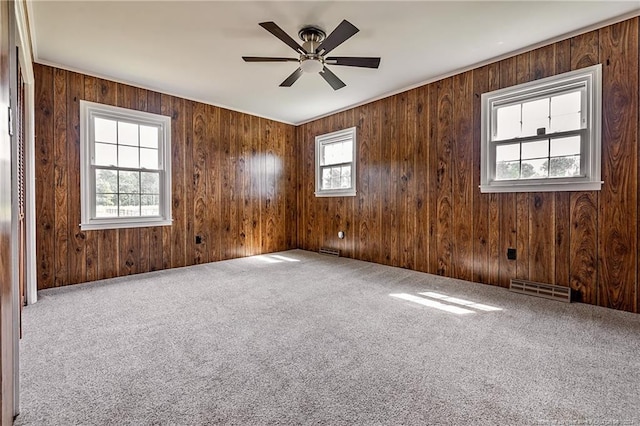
(543, 135)
(336, 164)
(125, 158)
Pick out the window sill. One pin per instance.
(347, 193)
(541, 187)
(97, 224)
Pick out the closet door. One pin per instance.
(8, 285)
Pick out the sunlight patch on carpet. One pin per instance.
(273, 258)
(432, 304)
(285, 258)
(461, 302)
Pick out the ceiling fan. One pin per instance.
(316, 45)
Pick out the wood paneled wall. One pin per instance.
(243, 183)
(233, 178)
(418, 204)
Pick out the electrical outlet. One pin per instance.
(511, 254)
(198, 239)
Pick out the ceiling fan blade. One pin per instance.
(274, 29)
(292, 78)
(342, 32)
(266, 59)
(353, 61)
(332, 79)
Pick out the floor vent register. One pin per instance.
(548, 291)
(329, 251)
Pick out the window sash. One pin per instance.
(94, 195)
(508, 101)
(331, 166)
(584, 155)
(335, 142)
(119, 118)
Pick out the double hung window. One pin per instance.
(126, 167)
(543, 135)
(335, 163)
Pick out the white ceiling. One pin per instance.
(194, 49)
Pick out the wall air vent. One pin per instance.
(329, 251)
(548, 291)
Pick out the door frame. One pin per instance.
(23, 41)
(9, 294)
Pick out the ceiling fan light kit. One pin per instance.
(316, 45)
(311, 65)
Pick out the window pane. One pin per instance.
(565, 146)
(563, 123)
(506, 170)
(149, 136)
(129, 205)
(148, 158)
(128, 156)
(345, 177)
(150, 183)
(508, 122)
(347, 152)
(335, 177)
(326, 178)
(569, 103)
(535, 115)
(105, 155)
(127, 134)
(508, 152)
(566, 112)
(331, 153)
(537, 149)
(534, 169)
(150, 205)
(104, 130)
(106, 205)
(106, 181)
(327, 154)
(564, 166)
(129, 182)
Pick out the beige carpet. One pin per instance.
(301, 338)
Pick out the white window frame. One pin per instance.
(329, 138)
(588, 80)
(88, 112)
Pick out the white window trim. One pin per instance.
(349, 133)
(591, 78)
(87, 185)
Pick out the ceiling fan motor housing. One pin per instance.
(312, 36)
